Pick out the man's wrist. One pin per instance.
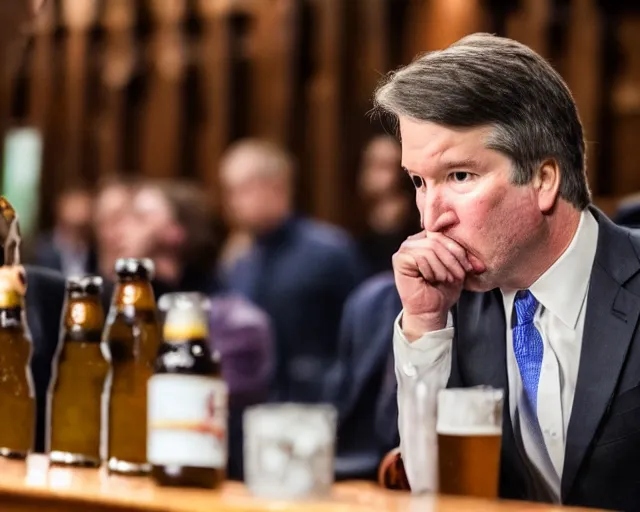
(415, 327)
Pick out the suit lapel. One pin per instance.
(610, 322)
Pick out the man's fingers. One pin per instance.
(451, 261)
(455, 249)
(418, 236)
(429, 263)
(422, 242)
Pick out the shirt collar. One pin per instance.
(562, 289)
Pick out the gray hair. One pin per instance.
(485, 80)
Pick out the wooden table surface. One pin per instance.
(35, 486)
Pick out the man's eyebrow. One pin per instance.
(466, 163)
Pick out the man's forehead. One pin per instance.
(424, 142)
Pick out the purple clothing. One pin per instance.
(242, 334)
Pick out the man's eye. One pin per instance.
(417, 181)
(460, 176)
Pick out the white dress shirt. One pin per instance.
(561, 293)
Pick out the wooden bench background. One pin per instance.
(160, 87)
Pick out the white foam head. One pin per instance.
(470, 411)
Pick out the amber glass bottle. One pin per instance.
(17, 397)
(187, 440)
(131, 339)
(80, 370)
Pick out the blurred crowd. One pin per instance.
(302, 310)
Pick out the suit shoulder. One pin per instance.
(325, 235)
(373, 292)
(634, 237)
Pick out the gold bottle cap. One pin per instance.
(13, 286)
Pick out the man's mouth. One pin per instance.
(478, 266)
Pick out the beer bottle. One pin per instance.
(187, 440)
(80, 370)
(131, 339)
(17, 396)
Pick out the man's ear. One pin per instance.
(546, 182)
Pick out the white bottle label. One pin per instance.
(187, 421)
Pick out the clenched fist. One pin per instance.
(429, 270)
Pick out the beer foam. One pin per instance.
(470, 411)
(183, 324)
(471, 430)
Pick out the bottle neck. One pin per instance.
(83, 319)
(135, 292)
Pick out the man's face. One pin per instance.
(253, 201)
(110, 208)
(149, 218)
(380, 173)
(464, 191)
(74, 216)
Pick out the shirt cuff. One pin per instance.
(425, 351)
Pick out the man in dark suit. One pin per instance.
(362, 378)
(298, 270)
(45, 289)
(516, 281)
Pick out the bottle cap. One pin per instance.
(135, 267)
(81, 286)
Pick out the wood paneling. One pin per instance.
(161, 87)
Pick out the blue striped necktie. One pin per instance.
(527, 346)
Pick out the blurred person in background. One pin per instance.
(387, 195)
(362, 383)
(45, 287)
(171, 222)
(109, 211)
(298, 270)
(69, 247)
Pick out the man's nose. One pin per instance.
(436, 215)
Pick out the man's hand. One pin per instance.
(429, 271)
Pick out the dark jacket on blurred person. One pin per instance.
(362, 383)
(300, 274)
(49, 254)
(44, 303)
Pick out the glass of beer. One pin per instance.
(469, 428)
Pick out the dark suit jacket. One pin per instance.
(602, 461)
(300, 274)
(356, 382)
(47, 255)
(45, 299)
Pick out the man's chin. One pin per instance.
(478, 283)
